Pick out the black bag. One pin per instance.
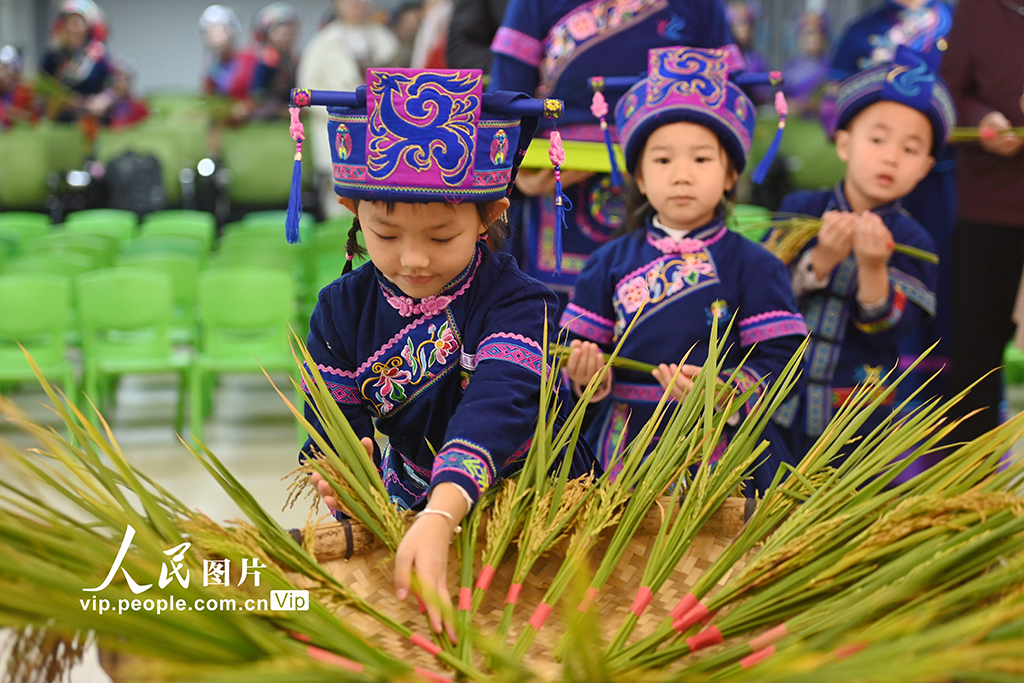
(135, 182)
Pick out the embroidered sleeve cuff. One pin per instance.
(518, 45)
(890, 314)
(510, 348)
(587, 324)
(343, 388)
(771, 325)
(803, 277)
(465, 464)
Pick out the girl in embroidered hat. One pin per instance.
(686, 135)
(860, 299)
(438, 339)
(78, 56)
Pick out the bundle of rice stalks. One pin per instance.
(969, 134)
(838, 573)
(789, 234)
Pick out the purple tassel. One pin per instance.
(562, 204)
(291, 223)
(761, 172)
(599, 108)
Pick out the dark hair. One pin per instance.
(639, 209)
(497, 232)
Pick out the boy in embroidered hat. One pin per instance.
(685, 131)
(859, 297)
(438, 339)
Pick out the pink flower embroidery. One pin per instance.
(391, 382)
(687, 245)
(692, 264)
(581, 25)
(633, 294)
(429, 306)
(444, 345)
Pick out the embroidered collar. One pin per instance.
(693, 241)
(408, 307)
(839, 198)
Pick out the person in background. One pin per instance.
(232, 69)
(807, 73)
(77, 58)
(921, 25)
(125, 109)
(17, 102)
(336, 58)
(743, 17)
(405, 23)
(551, 49)
(432, 39)
(474, 23)
(984, 67)
(275, 28)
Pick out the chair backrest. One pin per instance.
(96, 248)
(36, 310)
(183, 270)
(175, 244)
(200, 231)
(180, 216)
(28, 223)
(245, 311)
(260, 161)
(61, 263)
(116, 233)
(254, 256)
(328, 269)
(110, 216)
(125, 313)
(276, 219)
(10, 241)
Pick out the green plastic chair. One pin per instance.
(10, 242)
(277, 219)
(25, 169)
(1013, 365)
(109, 216)
(260, 159)
(179, 216)
(115, 233)
(244, 315)
(202, 233)
(36, 309)
(65, 263)
(750, 221)
(184, 273)
(125, 315)
(97, 249)
(165, 244)
(27, 223)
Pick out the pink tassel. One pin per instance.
(556, 154)
(782, 107)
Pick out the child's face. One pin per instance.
(420, 247)
(887, 150)
(684, 171)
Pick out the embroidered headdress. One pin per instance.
(411, 135)
(696, 85)
(910, 79)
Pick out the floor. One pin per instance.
(251, 431)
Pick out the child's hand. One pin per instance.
(585, 360)
(835, 242)
(324, 489)
(872, 242)
(683, 381)
(424, 549)
(996, 136)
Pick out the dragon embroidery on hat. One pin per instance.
(423, 123)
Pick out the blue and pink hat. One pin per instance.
(697, 85)
(412, 135)
(910, 79)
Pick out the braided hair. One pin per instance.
(352, 247)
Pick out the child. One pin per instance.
(438, 340)
(686, 137)
(859, 297)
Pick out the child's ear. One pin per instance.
(730, 178)
(926, 168)
(494, 211)
(843, 145)
(349, 204)
(639, 180)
